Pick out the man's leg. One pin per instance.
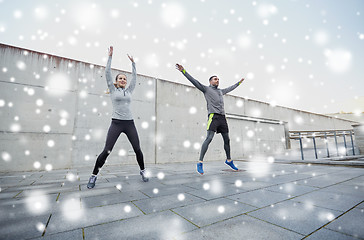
(206, 143)
(228, 161)
(226, 138)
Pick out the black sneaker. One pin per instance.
(91, 182)
(144, 175)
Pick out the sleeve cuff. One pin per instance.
(184, 71)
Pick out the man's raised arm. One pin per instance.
(195, 83)
(229, 89)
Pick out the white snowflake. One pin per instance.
(173, 14)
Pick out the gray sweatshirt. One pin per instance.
(120, 97)
(213, 94)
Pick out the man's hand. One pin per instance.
(131, 58)
(111, 49)
(179, 67)
(241, 80)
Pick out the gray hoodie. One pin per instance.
(120, 97)
(213, 94)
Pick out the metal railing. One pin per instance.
(300, 135)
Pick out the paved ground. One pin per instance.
(263, 201)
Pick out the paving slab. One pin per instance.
(8, 195)
(74, 235)
(30, 187)
(100, 184)
(291, 189)
(331, 200)
(206, 213)
(217, 188)
(157, 204)
(180, 181)
(354, 173)
(327, 234)
(237, 178)
(317, 170)
(300, 169)
(108, 199)
(34, 205)
(353, 190)
(241, 227)
(259, 198)
(88, 193)
(350, 223)
(360, 206)
(166, 190)
(199, 181)
(49, 189)
(128, 185)
(113, 179)
(272, 204)
(324, 180)
(10, 181)
(40, 181)
(358, 181)
(162, 225)
(296, 216)
(23, 227)
(72, 216)
(279, 179)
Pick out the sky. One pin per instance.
(302, 54)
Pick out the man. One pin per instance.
(216, 115)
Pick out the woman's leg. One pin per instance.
(114, 132)
(133, 137)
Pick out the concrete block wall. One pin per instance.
(181, 127)
(93, 118)
(54, 110)
(359, 136)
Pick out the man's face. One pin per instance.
(214, 81)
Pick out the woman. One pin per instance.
(122, 119)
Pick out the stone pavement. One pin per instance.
(262, 201)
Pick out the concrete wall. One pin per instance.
(359, 136)
(356, 117)
(55, 111)
(181, 127)
(67, 97)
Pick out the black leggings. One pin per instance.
(206, 143)
(116, 128)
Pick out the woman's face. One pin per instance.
(121, 81)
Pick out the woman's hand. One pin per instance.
(131, 58)
(111, 49)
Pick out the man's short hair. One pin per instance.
(211, 78)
